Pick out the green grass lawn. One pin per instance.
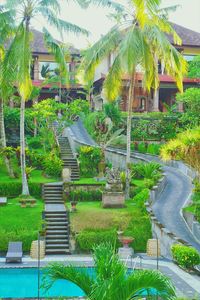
(133, 219)
(19, 224)
(190, 209)
(36, 177)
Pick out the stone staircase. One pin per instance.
(56, 219)
(68, 158)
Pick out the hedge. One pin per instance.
(23, 235)
(85, 196)
(87, 239)
(186, 257)
(14, 189)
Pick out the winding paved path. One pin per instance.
(168, 206)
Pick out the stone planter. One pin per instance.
(126, 241)
(73, 206)
(113, 199)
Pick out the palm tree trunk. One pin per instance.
(35, 101)
(128, 136)
(3, 139)
(25, 189)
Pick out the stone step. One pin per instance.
(53, 202)
(56, 220)
(55, 213)
(58, 246)
(57, 251)
(55, 197)
(57, 237)
(57, 227)
(55, 216)
(57, 241)
(57, 232)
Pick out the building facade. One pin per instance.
(147, 102)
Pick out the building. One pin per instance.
(142, 101)
(44, 62)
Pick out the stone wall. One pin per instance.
(192, 224)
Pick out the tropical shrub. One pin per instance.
(34, 142)
(13, 189)
(53, 165)
(191, 100)
(113, 112)
(197, 212)
(149, 170)
(185, 147)
(153, 149)
(142, 147)
(87, 239)
(85, 196)
(186, 257)
(89, 159)
(141, 197)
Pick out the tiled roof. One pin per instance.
(38, 44)
(189, 37)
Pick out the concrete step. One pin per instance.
(57, 251)
(57, 241)
(56, 221)
(56, 232)
(57, 237)
(57, 246)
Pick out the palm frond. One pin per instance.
(59, 53)
(79, 276)
(103, 3)
(113, 81)
(61, 25)
(54, 4)
(17, 67)
(93, 56)
(149, 280)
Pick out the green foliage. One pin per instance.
(53, 165)
(191, 100)
(89, 158)
(142, 147)
(153, 149)
(157, 128)
(34, 142)
(194, 67)
(12, 120)
(36, 159)
(13, 189)
(141, 197)
(186, 257)
(88, 239)
(197, 211)
(113, 112)
(85, 196)
(149, 170)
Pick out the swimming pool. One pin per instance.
(23, 283)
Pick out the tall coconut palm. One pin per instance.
(137, 39)
(6, 31)
(18, 57)
(111, 280)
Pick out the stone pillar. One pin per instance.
(36, 68)
(156, 100)
(180, 107)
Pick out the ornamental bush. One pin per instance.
(85, 196)
(53, 165)
(186, 257)
(87, 239)
(89, 158)
(14, 189)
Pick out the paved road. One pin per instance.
(167, 208)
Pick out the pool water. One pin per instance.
(23, 283)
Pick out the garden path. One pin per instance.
(170, 202)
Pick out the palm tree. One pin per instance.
(112, 281)
(18, 57)
(137, 40)
(6, 30)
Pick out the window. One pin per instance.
(188, 57)
(47, 69)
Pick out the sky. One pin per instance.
(97, 22)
